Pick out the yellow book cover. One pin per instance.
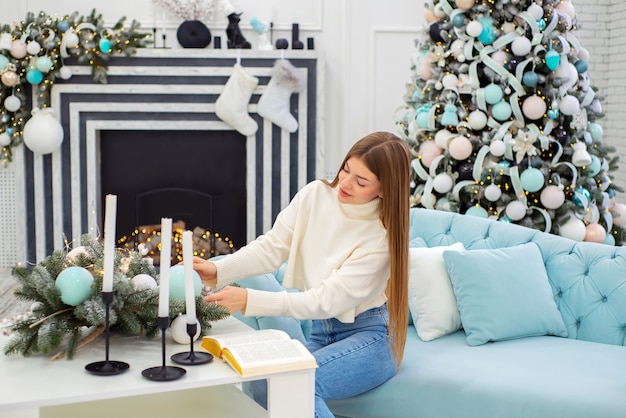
(252, 353)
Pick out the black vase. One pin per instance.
(193, 34)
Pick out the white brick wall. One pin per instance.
(602, 32)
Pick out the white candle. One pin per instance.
(164, 20)
(164, 280)
(190, 298)
(109, 243)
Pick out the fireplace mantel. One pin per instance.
(162, 89)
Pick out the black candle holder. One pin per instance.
(190, 357)
(107, 367)
(163, 373)
(154, 38)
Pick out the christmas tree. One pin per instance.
(503, 121)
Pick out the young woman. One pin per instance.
(346, 247)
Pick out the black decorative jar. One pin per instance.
(193, 34)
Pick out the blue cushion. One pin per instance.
(503, 294)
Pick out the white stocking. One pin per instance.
(274, 102)
(232, 105)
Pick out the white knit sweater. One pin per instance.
(336, 253)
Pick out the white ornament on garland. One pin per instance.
(144, 281)
(178, 329)
(43, 133)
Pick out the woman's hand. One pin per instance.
(206, 270)
(232, 298)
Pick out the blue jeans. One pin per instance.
(352, 358)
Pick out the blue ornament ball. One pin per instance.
(63, 25)
(177, 283)
(581, 66)
(594, 167)
(553, 113)
(541, 24)
(478, 211)
(530, 79)
(74, 283)
(532, 179)
(34, 76)
(458, 21)
(595, 130)
(504, 163)
(104, 45)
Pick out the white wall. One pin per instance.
(367, 45)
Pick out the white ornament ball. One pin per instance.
(552, 197)
(573, 229)
(460, 148)
(450, 81)
(521, 46)
(442, 138)
(474, 28)
(5, 139)
(65, 73)
(534, 107)
(442, 183)
(492, 193)
(569, 105)
(618, 210)
(12, 103)
(457, 47)
(535, 11)
(73, 254)
(178, 330)
(500, 56)
(143, 281)
(477, 120)
(508, 27)
(515, 210)
(567, 8)
(583, 54)
(497, 148)
(43, 133)
(33, 48)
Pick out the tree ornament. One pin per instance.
(477, 211)
(9, 78)
(595, 233)
(6, 39)
(458, 21)
(423, 117)
(501, 111)
(178, 330)
(493, 93)
(618, 211)
(581, 66)
(515, 210)
(43, 133)
(12, 103)
(569, 105)
(534, 107)
(594, 167)
(492, 193)
(552, 197)
(34, 76)
(44, 63)
(530, 79)
(33, 48)
(144, 281)
(460, 148)
(449, 117)
(18, 49)
(442, 183)
(477, 120)
(566, 7)
(435, 31)
(552, 60)
(573, 228)
(74, 283)
(488, 34)
(104, 44)
(535, 11)
(427, 152)
(5, 139)
(532, 179)
(443, 138)
(177, 283)
(65, 73)
(580, 157)
(474, 28)
(74, 254)
(521, 46)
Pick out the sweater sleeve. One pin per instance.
(362, 278)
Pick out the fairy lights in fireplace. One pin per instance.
(147, 240)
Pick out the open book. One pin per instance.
(252, 353)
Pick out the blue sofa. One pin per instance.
(580, 373)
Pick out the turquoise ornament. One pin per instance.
(423, 116)
(34, 76)
(44, 64)
(610, 239)
(504, 163)
(541, 24)
(458, 21)
(594, 166)
(532, 179)
(530, 79)
(552, 60)
(595, 130)
(177, 283)
(477, 211)
(501, 111)
(581, 191)
(4, 62)
(488, 34)
(449, 116)
(104, 45)
(74, 283)
(553, 114)
(493, 93)
(581, 66)
(505, 219)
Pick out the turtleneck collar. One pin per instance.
(368, 211)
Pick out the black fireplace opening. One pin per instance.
(197, 178)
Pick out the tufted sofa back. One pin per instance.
(588, 280)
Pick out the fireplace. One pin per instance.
(159, 100)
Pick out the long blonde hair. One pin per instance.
(388, 157)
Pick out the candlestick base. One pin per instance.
(163, 373)
(192, 358)
(107, 367)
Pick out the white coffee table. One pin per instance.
(35, 387)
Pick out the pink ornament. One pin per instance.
(9, 78)
(464, 4)
(18, 49)
(618, 211)
(429, 15)
(460, 148)
(534, 107)
(595, 233)
(428, 151)
(425, 72)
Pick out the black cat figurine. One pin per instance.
(235, 38)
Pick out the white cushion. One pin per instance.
(431, 299)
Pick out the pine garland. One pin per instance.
(55, 325)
